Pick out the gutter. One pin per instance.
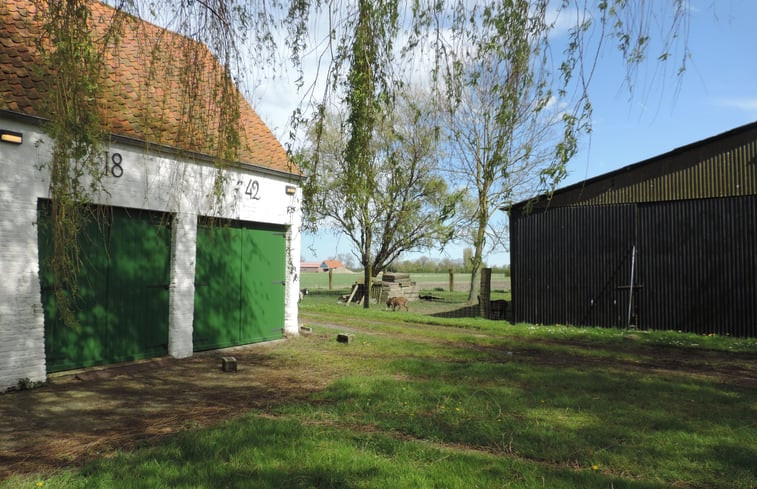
(163, 149)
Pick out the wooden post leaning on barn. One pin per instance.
(484, 296)
(451, 280)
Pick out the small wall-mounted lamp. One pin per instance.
(291, 190)
(11, 137)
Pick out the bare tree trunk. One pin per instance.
(478, 256)
(367, 279)
(485, 293)
(367, 271)
(474, 283)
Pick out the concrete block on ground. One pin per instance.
(228, 364)
(345, 337)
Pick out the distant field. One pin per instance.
(427, 281)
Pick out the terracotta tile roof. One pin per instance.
(332, 264)
(142, 96)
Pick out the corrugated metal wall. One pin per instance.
(568, 265)
(696, 265)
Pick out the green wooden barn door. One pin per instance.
(139, 274)
(217, 273)
(82, 344)
(262, 300)
(122, 310)
(239, 291)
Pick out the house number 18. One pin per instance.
(113, 164)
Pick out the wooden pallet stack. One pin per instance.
(398, 285)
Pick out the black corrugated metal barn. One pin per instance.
(669, 243)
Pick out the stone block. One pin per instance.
(345, 337)
(228, 364)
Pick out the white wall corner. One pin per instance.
(181, 287)
(294, 244)
(22, 340)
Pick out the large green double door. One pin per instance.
(121, 308)
(239, 284)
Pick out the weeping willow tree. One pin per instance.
(69, 51)
(79, 49)
(492, 66)
(367, 50)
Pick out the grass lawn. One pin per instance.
(430, 402)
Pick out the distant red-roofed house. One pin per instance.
(193, 254)
(334, 265)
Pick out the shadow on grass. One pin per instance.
(275, 453)
(462, 312)
(500, 312)
(653, 427)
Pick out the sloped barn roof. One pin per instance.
(145, 94)
(721, 166)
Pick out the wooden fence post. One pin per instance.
(484, 295)
(331, 278)
(451, 280)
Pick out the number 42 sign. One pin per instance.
(252, 190)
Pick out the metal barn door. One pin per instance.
(239, 287)
(121, 311)
(572, 265)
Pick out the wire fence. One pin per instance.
(433, 294)
(438, 282)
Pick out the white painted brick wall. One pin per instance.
(22, 345)
(294, 240)
(149, 181)
(182, 288)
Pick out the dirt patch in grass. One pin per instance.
(93, 412)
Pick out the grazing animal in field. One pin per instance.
(395, 302)
(303, 293)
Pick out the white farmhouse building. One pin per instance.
(167, 270)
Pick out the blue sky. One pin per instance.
(718, 92)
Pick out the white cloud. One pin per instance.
(747, 104)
